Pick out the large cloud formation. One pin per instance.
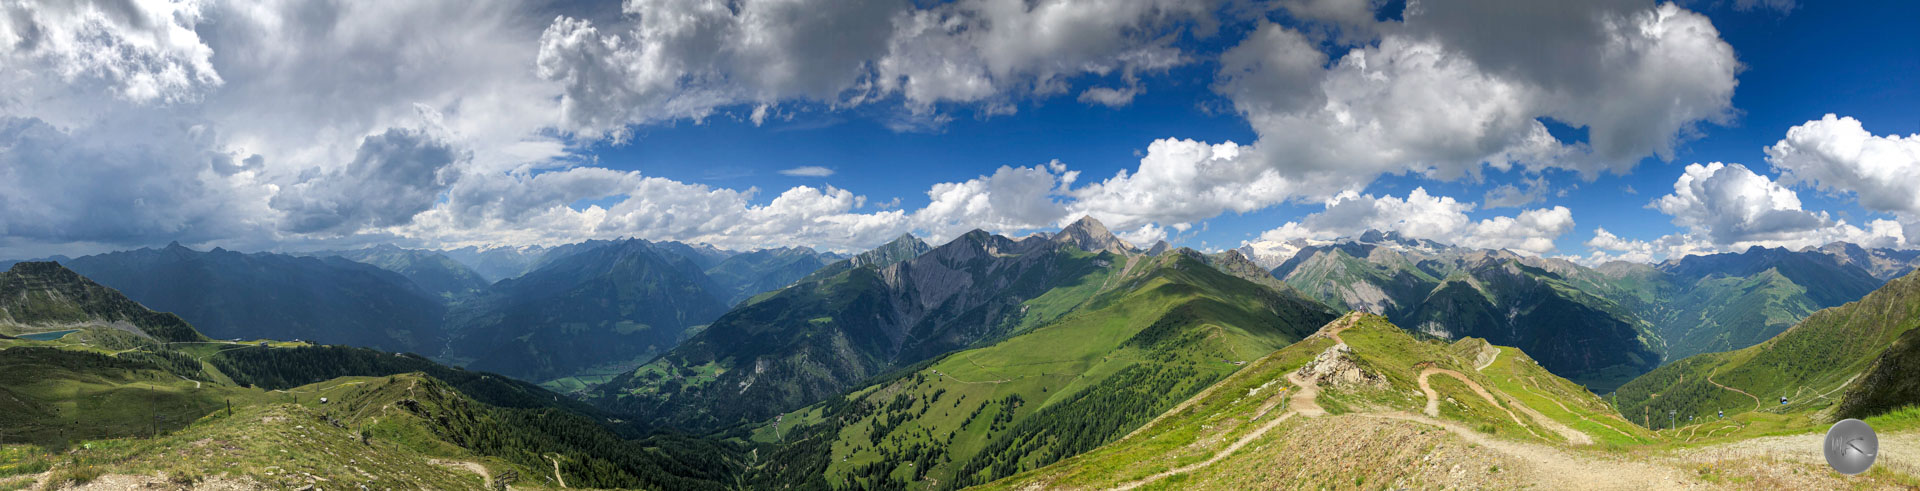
(1728, 207)
(1455, 88)
(272, 124)
(1837, 154)
(1424, 216)
(684, 59)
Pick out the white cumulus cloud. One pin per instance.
(1424, 216)
(1838, 155)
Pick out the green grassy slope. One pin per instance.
(80, 410)
(1254, 406)
(1059, 389)
(401, 431)
(104, 400)
(1892, 382)
(1810, 363)
(785, 350)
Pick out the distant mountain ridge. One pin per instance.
(1855, 359)
(228, 294)
(613, 302)
(432, 271)
(1634, 316)
(496, 263)
(1506, 298)
(44, 296)
(796, 346)
(743, 275)
(424, 301)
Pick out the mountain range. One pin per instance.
(37, 297)
(575, 309)
(799, 345)
(1597, 326)
(1069, 359)
(1855, 359)
(1167, 327)
(622, 301)
(429, 270)
(228, 294)
(217, 414)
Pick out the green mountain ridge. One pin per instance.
(1358, 380)
(1506, 298)
(244, 415)
(40, 297)
(1052, 391)
(1815, 365)
(800, 345)
(1598, 326)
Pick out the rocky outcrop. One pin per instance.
(1336, 367)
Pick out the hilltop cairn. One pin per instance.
(1336, 366)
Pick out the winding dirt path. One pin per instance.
(1344, 323)
(1563, 408)
(1837, 388)
(1483, 366)
(1552, 467)
(556, 471)
(1756, 400)
(1433, 398)
(1301, 403)
(1301, 398)
(475, 467)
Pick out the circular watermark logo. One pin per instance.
(1851, 446)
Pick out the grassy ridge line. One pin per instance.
(1828, 350)
(1166, 330)
(1236, 407)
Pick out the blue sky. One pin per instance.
(1818, 58)
(283, 128)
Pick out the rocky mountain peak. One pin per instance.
(1090, 235)
(43, 269)
(901, 248)
(1159, 247)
